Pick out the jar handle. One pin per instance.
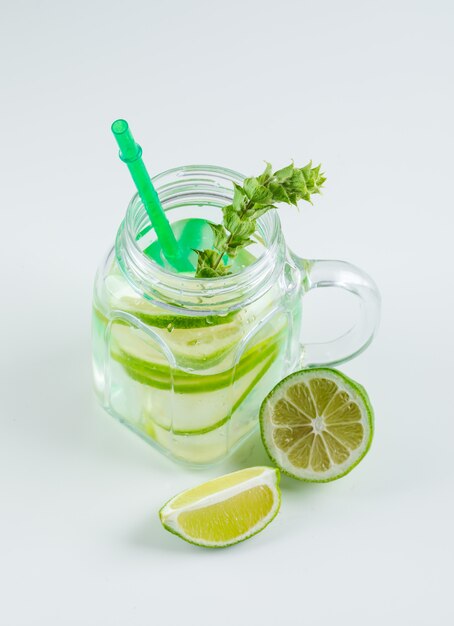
(318, 273)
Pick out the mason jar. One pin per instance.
(186, 362)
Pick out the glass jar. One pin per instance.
(186, 362)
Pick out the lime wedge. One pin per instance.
(225, 510)
(317, 424)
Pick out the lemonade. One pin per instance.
(187, 344)
(191, 384)
(183, 359)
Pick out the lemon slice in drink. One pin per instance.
(317, 424)
(225, 510)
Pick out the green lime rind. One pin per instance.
(162, 377)
(224, 420)
(183, 322)
(358, 388)
(144, 373)
(230, 543)
(185, 359)
(213, 359)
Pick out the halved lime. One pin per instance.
(225, 510)
(317, 424)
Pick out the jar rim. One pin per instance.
(161, 284)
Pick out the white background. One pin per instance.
(364, 87)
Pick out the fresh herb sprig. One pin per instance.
(253, 199)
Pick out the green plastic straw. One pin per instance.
(131, 154)
(189, 238)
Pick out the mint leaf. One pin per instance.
(285, 173)
(267, 174)
(231, 219)
(239, 198)
(255, 214)
(279, 193)
(257, 196)
(249, 186)
(262, 195)
(246, 228)
(220, 235)
(205, 264)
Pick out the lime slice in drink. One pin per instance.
(213, 397)
(157, 371)
(192, 348)
(317, 424)
(225, 510)
(123, 297)
(199, 449)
